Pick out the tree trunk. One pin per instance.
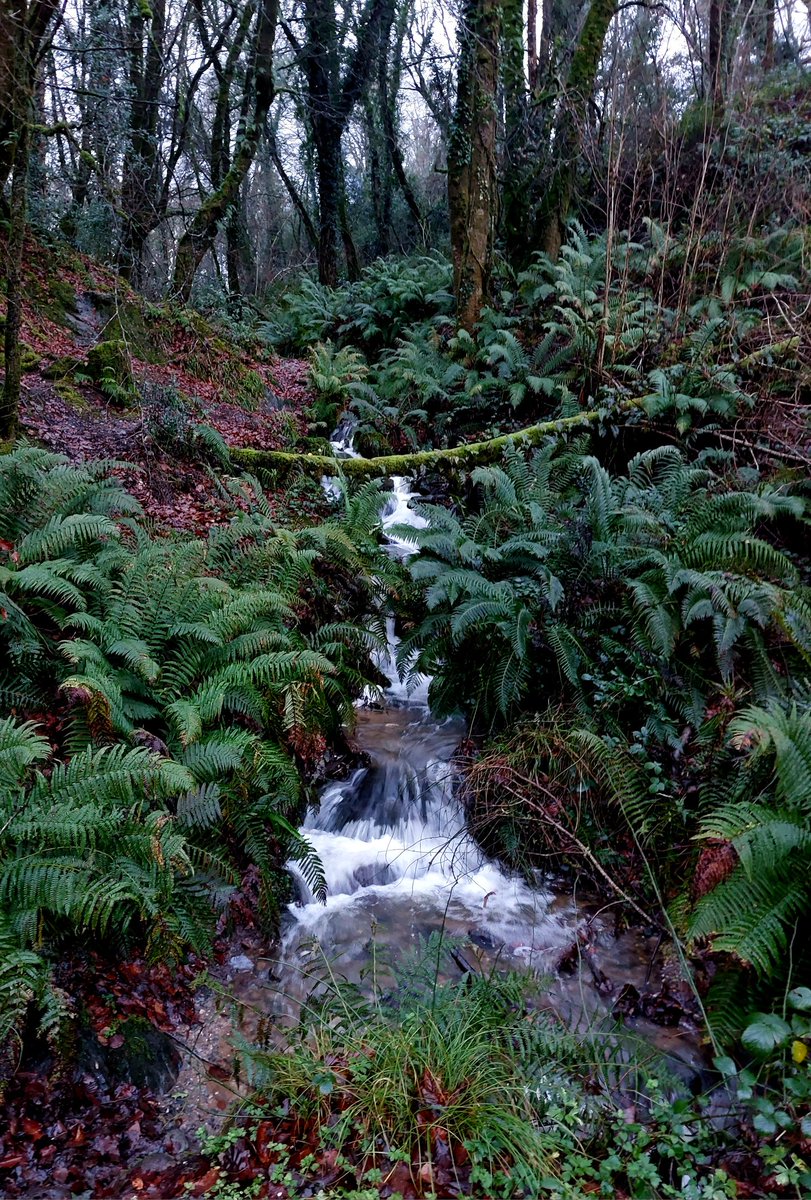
(330, 101)
(140, 184)
(554, 209)
(328, 176)
(377, 187)
(520, 159)
(768, 37)
(350, 250)
(8, 119)
(18, 216)
(532, 44)
(471, 158)
(715, 64)
(291, 189)
(199, 237)
(455, 460)
(20, 52)
(389, 70)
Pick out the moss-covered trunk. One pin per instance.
(140, 182)
(199, 237)
(18, 216)
(550, 223)
(520, 158)
(21, 42)
(454, 459)
(472, 183)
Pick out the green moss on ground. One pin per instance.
(30, 360)
(71, 395)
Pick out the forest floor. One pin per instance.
(236, 387)
(102, 1128)
(175, 492)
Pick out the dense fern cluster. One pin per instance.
(191, 681)
(635, 613)
(672, 323)
(563, 569)
(390, 296)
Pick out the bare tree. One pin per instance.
(259, 91)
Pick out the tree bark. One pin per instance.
(553, 211)
(532, 44)
(18, 217)
(139, 191)
(768, 37)
(379, 184)
(520, 159)
(388, 84)
(472, 194)
(292, 191)
(330, 101)
(715, 64)
(456, 459)
(20, 53)
(199, 237)
(327, 141)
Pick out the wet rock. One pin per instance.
(241, 962)
(372, 874)
(273, 401)
(140, 1054)
(176, 1142)
(628, 1002)
(481, 938)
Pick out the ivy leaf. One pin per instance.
(766, 1034)
(800, 998)
(764, 1124)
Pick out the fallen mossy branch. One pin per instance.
(772, 351)
(453, 459)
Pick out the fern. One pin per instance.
(754, 913)
(681, 565)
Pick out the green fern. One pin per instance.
(754, 914)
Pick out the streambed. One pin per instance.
(401, 865)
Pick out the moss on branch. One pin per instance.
(457, 458)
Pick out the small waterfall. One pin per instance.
(400, 865)
(393, 839)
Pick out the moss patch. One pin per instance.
(30, 360)
(71, 395)
(109, 366)
(63, 368)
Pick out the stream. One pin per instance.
(401, 865)
(399, 861)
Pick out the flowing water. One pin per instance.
(399, 861)
(401, 865)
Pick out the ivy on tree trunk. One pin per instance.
(21, 40)
(472, 182)
(554, 209)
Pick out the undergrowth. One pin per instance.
(420, 1082)
(187, 689)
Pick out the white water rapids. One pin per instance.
(400, 865)
(392, 838)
